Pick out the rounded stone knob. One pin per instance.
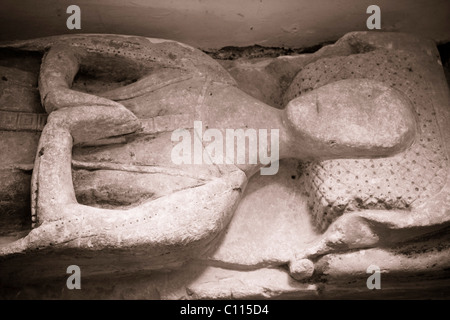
(301, 269)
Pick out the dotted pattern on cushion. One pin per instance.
(398, 182)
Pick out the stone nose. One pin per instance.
(352, 118)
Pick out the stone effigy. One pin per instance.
(86, 118)
(371, 200)
(104, 183)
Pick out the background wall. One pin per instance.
(213, 24)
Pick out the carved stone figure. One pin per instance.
(359, 116)
(366, 203)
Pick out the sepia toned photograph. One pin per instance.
(199, 150)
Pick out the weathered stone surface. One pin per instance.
(14, 203)
(255, 79)
(19, 91)
(80, 118)
(402, 181)
(270, 222)
(359, 116)
(21, 119)
(301, 269)
(252, 250)
(386, 56)
(54, 200)
(215, 283)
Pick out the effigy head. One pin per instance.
(353, 118)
